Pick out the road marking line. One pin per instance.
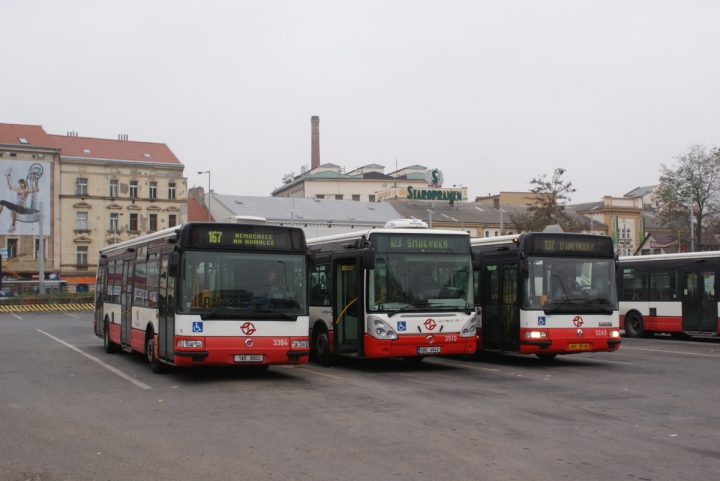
(71, 315)
(16, 315)
(314, 372)
(670, 352)
(93, 358)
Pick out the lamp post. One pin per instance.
(462, 212)
(209, 191)
(431, 213)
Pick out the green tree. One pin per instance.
(693, 186)
(548, 205)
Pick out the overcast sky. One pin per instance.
(493, 93)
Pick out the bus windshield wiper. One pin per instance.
(401, 309)
(227, 304)
(273, 312)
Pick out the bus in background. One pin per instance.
(399, 291)
(669, 293)
(205, 294)
(546, 294)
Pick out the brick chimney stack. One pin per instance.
(315, 142)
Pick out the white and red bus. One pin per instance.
(400, 291)
(546, 294)
(669, 293)
(200, 294)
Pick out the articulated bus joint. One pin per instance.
(296, 355)
(196, 356)
(543, 345)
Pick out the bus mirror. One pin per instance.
(312, 262)
(476, 261)
(524, 272)
(174, 264)
(369, 257)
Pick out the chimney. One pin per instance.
(315, 142)
(496, 203)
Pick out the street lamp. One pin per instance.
(209, 191)
(431, 213)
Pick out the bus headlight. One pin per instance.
(614, 333)
(470, 327)
(299, 344)
(535, 334)
(380, 329)
(189, 343)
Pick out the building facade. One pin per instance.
(90, 193)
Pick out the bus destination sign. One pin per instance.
(560, 244)
(415, 243)
(246, 237)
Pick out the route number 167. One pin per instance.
(215, 236)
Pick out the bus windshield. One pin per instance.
(238, 284)
(415, 281)
(556, 281)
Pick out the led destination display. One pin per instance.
(248, 236)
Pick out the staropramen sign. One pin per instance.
(434, 179)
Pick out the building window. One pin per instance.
(338, 197)
(319, 196)
(133, 188)
(133, 222)
(171, 190)
(82, 221)
(113, 188)
(487, 233)
(172, 220)
(497, 233)
(153, 222)
(12, 248)
(371, 197)
(355, 197)
(153, 190)
(114, 221)
(37, 249)
(82, 252)
(82, 186)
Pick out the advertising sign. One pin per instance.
(24, 187)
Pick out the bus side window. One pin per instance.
(153, 276)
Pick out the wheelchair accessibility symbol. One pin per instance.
(197, 326)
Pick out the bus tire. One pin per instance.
(414, 360)
(634, 325)
(321, 347)
(155, 365)
(109, 346)
(547, 356)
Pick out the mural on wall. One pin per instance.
(25, 187)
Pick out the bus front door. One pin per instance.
(166, 312)
(699, 303)
(126, 304)
(347, 306)
(500, 314)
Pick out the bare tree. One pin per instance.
(548, 208)
(692, 187)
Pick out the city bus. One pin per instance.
(401, 291)
(669, 293)
(546, 294)
(200, 294)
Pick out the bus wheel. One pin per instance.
(155, 365)
(546, 356)
(110, 347)
(321, 343)
(414, 360)
(634, 326)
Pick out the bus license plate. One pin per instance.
(428, 350)
(249, 358)
(579, 347)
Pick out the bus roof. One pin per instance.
(679, 256)
(367, 232)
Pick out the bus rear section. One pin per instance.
(207, 294)
(394, 292)
(547, 294)
(669, 294)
